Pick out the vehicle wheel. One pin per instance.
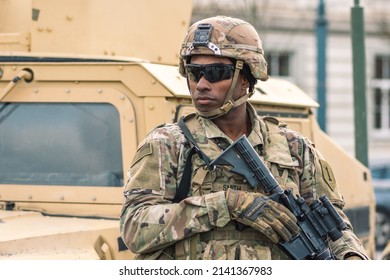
(382, 230)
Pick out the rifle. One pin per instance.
(317, 222)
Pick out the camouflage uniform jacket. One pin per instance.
(200, 227)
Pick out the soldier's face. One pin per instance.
(209, 79)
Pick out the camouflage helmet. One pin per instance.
(227, 37)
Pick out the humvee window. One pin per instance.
(73, 144)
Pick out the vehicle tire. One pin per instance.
(382, 229)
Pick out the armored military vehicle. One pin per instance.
(79, 89)
(386, 252)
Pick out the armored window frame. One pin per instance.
(73, 144)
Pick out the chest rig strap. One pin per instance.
(184, 185)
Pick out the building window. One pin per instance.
(380, 98)
(279, 63)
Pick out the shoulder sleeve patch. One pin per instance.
(143, 151)
(327, 174)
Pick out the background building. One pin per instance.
(288, 31)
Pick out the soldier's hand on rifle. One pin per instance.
(256, 210)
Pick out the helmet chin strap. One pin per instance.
(228, 103)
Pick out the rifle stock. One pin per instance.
(317, 222)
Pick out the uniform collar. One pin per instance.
(213, 132)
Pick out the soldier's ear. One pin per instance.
(245, 82)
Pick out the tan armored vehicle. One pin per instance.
(74, 104)
(386, 252)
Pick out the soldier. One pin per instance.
(222, 59)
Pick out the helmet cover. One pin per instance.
(226, 37)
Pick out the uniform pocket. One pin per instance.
(255, 252)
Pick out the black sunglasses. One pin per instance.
(212, 72)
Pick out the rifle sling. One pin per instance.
(185, 183)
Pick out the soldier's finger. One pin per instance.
(283, 209)
(290, 224)
(267, 230)
(278, 227)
